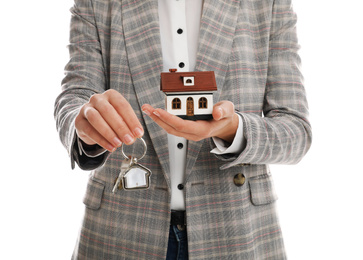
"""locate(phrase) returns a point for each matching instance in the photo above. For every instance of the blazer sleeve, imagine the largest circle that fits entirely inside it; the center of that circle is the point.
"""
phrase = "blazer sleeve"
(84, 76)
(283, 134)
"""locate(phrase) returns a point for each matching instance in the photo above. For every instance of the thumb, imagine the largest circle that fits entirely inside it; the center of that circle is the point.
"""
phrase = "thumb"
(217, 113)
(222, 110)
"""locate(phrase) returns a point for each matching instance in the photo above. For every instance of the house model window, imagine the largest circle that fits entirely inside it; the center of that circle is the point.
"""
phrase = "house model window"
(203, 103)
(188, 81)
(176, 103)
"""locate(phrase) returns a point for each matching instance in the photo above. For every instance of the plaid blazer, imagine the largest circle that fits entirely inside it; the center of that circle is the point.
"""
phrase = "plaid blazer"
(251, 46)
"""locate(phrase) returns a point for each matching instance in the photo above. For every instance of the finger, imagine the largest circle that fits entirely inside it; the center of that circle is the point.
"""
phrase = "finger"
(171, 130)
(115, 122)
(173, 121)
(180, 125)
(109, 105)
(89, 135)
(222, 110)
(191, 130)
(127, 114)
(101, 127)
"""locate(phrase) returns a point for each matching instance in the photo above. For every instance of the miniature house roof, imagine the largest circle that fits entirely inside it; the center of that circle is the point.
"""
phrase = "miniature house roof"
(187, 81)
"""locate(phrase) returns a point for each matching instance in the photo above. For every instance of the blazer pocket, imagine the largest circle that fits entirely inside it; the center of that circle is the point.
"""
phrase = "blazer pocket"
(94, 193)
(262, 190)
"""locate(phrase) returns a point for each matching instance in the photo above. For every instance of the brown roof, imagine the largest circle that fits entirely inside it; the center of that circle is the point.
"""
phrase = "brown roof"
(173, 81)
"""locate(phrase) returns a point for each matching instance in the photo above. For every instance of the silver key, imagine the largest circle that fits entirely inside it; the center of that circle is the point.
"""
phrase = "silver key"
(124, 167)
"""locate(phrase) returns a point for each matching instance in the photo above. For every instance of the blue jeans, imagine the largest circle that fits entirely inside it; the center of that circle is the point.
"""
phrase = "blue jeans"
(178, 243)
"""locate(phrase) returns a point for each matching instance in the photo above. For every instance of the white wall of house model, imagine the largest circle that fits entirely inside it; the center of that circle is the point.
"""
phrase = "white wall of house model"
(182, 111)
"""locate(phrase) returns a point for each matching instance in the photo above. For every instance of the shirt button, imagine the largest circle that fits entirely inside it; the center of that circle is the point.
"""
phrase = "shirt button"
(181, 65)
(180, 186)
(239, 179)
(180, 145)
(179, 31)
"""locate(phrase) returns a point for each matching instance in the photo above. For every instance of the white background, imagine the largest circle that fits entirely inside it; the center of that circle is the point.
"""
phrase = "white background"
(320, 199)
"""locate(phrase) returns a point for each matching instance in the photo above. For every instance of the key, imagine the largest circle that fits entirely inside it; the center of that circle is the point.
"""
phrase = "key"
(124, 167)
(117, 185)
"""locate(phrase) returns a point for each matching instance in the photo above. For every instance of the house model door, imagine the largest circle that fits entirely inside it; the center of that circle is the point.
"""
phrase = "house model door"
(190, 106)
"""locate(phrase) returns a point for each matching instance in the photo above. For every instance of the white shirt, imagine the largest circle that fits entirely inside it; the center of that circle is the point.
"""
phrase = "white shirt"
(179, 42)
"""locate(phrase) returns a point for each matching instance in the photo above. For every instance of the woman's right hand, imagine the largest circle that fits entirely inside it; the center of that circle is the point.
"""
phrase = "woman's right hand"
(108, 120)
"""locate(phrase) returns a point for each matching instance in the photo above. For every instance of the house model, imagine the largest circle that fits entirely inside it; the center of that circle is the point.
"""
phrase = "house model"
(189, 95)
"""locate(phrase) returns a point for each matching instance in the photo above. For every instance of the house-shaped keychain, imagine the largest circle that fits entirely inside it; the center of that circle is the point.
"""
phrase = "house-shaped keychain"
(189, 95)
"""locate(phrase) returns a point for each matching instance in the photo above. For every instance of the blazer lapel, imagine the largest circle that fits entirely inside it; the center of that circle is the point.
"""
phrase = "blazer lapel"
(217, 28)
(142, 37)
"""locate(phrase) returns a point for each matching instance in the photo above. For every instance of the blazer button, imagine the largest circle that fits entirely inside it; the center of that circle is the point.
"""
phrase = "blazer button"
(239, 179)
(180, 186)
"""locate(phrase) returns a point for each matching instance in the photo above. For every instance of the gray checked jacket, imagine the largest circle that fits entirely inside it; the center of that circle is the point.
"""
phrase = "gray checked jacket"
(251, 45)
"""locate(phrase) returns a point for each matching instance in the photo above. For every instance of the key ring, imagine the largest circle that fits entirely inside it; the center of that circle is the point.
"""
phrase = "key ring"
(142, 156)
